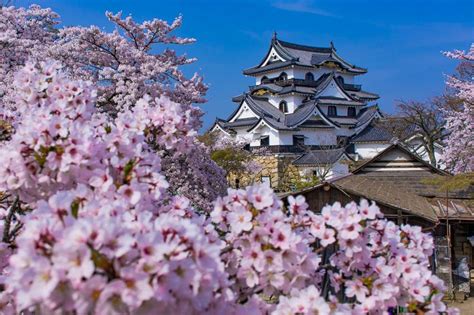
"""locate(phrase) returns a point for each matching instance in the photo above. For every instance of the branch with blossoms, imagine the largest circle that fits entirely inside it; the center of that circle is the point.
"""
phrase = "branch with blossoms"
(123, 64)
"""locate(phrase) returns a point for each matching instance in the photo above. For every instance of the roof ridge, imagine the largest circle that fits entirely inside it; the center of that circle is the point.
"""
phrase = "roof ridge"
(304, 47)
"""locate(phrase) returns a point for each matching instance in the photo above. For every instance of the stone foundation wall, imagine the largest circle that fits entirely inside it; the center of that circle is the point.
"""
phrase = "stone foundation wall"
(279, 168)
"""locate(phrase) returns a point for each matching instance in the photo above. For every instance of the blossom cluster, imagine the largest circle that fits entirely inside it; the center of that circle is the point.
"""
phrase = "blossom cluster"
(266, 253)
(104, 234)
(23, 32)
(352, 252)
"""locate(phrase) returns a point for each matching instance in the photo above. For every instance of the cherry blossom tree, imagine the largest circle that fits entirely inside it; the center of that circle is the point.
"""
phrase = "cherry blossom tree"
(111, 223)
(22, 32)
(458, 154)
(124, 66)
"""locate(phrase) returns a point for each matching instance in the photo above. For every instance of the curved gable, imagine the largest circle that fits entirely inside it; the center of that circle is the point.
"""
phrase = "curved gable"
(333, 89)
(244, 111)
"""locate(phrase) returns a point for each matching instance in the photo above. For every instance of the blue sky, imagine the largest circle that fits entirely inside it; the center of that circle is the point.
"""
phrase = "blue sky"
(400, 42)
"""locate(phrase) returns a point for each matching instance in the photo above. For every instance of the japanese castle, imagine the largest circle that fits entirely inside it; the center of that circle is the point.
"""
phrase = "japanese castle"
(305, 107)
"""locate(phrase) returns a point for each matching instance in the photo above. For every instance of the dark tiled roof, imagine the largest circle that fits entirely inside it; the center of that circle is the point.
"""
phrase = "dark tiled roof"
(301, 55)
(382, 162)
(345, 120)
(339, 101)
(273, 66)
(310, 123)
(316, 56)
(281, 121)
(379, 131)
(364, 95)
(373, 133)
(304, 47)
(366, 114)
(244, 122)
(408, 188)
(318, 157)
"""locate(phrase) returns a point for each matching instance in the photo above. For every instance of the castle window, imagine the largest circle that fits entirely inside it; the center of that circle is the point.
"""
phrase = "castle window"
(298, 140)
(342, 140)
(351, 111)
(340, 79)
(264, 79)
(265, 141)
(332, 111)
(247, 147)
(309, 76)
(283, 76)
(283, 106)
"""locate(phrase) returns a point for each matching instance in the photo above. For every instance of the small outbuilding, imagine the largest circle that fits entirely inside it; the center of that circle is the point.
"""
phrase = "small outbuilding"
(402, 185)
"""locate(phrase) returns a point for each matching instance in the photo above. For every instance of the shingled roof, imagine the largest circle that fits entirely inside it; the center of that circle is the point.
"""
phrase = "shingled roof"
(387, 193)
(399, 179)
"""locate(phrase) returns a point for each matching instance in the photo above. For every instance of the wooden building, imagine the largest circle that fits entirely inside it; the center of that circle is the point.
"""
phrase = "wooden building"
(401, 184)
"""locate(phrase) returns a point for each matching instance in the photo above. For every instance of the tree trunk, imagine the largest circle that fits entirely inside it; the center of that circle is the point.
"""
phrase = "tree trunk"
(431, 154)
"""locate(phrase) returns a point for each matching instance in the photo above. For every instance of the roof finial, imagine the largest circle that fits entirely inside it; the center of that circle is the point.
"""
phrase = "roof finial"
(332, 46)
(274, 35)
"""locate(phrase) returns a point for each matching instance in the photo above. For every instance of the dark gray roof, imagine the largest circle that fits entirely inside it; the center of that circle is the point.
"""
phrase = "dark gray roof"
(378, 131)
(324, 100)
(244, 122)
(364, 95)
(301, 117)
(273, 66)
(320, 157)
(304, 56)
(373, 133)
(305, 47)
(366, 115)
(304, 112)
